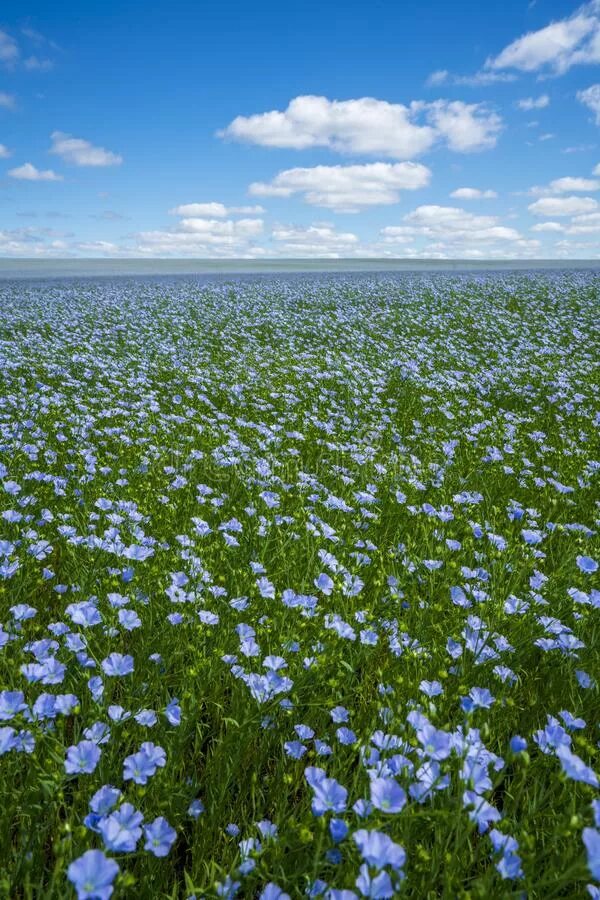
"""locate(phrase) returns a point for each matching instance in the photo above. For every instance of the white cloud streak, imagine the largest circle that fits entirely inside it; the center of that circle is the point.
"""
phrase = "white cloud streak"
(557, 47)
(529, 103)
(562, 206)
(590, 97)
(218, 210)
(346, 188)
(79, 152)
(28, 172)
(468, 193)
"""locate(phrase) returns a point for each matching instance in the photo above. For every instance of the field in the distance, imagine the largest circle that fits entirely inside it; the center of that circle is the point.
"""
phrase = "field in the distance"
(299, 587)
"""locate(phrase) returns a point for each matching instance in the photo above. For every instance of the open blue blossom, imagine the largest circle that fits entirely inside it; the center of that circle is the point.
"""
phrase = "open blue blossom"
(587, 564)
(159, 837)
(118, 664)
(294, 749)
(376, 887)
(11, 704)
(82, 758)
(591, 840)
(272, 891)
(121, 829)
(141, 766)
(92, 875)
(574, 767)
(387, 795)
(329, 795)
(377, 849)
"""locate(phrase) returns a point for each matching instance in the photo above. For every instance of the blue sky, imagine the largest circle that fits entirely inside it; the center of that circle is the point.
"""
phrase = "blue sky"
(463, 130)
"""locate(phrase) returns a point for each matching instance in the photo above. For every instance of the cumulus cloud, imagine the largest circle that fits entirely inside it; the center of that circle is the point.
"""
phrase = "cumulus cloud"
(33, 242)
(463, 126)
(451, 223)
(467, 193)
(28, 172)
(565, 185)
(215, 230)
(78, 152)
(203, 231)
(318, 240)
(218, 210)
(548, 226)
(452, 232)
(346, 188)
(557, 47)
(590, 97)
(4, 151)
(584, 223)
(370, 127)
(576, 249)
(562, 206)
(529, 103)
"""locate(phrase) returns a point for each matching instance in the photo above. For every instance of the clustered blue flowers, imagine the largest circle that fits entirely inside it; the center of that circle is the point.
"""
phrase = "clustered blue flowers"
(299, 586)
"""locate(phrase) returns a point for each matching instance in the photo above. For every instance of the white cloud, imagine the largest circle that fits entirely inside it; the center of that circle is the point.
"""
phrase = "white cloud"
(565, 185)
(577, 249)
(463, 125)
(81, 153)
(451, 223)
(202, 235)
(562, 206)
(214, 230)
(479, 79)
(28, 172)
(218, 210)
(440, 76)
(346, 188)
(580, 148)
(9, 49)
(106, 248)
(559, 46)
(587, 223)
(548, 226)
(590, 97)
(529, 103)
(4, 151)
(467, 193)
(7, 101)
(35, 64)
(370, 127)
(365, 126)
(452, 232)
(32, 242)
(318, 240)
(37, 38)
